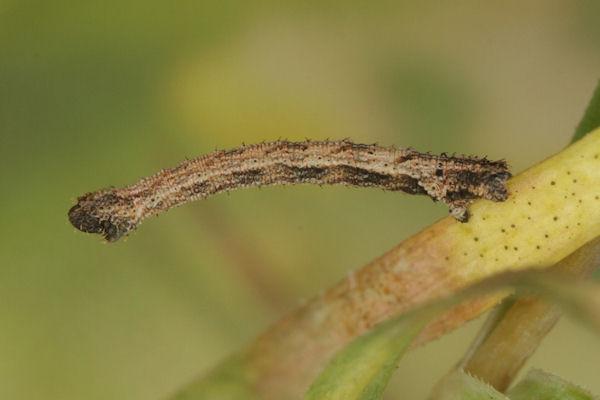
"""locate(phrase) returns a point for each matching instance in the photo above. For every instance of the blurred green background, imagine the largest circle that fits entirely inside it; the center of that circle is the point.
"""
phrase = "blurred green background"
(100, 93)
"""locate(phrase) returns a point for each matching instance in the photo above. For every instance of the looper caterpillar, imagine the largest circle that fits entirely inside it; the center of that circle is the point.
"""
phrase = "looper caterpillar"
(456, 180)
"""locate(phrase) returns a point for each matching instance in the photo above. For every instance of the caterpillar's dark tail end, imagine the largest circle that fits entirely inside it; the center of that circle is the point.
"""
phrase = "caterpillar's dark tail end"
(85, 221)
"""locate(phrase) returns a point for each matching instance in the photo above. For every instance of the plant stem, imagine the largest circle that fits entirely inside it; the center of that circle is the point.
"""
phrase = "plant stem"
(515, 330)
(522, 325)
(524, 231)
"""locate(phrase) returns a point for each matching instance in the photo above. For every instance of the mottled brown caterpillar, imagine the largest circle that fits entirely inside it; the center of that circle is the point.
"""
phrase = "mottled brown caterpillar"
(456, 180)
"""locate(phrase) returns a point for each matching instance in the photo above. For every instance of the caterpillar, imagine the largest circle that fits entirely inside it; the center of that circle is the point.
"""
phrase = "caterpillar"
(455, 180)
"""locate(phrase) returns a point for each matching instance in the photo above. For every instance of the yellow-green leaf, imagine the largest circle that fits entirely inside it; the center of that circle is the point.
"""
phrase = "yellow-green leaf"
(459, 385)
(539, 385)
(362, 369)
